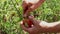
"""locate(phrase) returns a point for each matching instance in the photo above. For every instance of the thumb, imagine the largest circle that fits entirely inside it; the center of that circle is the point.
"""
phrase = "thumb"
(31, 17)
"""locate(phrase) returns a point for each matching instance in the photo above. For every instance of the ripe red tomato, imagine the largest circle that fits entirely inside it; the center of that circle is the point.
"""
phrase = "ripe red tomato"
(27, 23)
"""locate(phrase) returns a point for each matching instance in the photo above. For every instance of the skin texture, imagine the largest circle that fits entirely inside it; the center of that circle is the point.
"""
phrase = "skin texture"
(30, 7)
(27, 8)
(37, 29)
(34, 28)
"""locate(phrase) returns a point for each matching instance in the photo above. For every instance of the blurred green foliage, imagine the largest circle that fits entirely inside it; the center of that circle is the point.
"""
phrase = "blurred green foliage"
(11, 14)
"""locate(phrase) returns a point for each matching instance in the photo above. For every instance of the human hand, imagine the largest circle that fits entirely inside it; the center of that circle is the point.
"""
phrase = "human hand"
(35, 29)
(27, 12)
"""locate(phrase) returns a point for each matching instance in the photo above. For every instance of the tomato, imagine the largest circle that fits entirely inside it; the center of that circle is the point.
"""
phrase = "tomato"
(27, 22)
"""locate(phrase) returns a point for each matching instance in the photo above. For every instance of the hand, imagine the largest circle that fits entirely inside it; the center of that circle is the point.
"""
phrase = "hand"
(24, 5)
(35, 29)
(27, 12)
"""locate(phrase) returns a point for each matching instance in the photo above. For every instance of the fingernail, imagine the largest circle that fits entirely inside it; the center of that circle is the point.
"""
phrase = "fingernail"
(31, 16)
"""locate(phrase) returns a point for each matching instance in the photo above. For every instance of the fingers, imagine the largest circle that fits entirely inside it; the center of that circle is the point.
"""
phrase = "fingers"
(23, 27)
(27, 14)
(24, 4)
(35, 22)
(31, 17)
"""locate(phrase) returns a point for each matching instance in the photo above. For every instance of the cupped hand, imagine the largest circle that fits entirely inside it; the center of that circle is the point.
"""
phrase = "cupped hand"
(35, 29)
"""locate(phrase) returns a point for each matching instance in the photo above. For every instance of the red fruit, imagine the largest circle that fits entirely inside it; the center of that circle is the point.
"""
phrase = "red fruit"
(27, 23)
